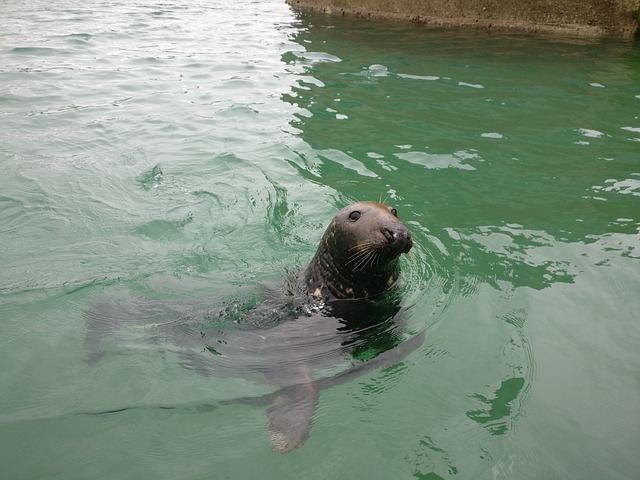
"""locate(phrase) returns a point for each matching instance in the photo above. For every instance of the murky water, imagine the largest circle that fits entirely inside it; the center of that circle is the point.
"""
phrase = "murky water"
(182, 152)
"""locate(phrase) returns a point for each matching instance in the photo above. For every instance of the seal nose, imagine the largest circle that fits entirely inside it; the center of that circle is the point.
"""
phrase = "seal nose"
(399, 237)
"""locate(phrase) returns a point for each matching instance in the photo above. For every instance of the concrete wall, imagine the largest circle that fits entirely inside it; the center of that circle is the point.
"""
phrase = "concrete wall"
(577, 17)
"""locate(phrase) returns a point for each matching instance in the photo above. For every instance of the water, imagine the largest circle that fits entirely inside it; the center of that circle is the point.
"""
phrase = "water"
(179, 151)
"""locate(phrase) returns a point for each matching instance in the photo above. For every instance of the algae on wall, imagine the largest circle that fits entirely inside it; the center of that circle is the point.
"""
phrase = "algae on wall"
(582, 17)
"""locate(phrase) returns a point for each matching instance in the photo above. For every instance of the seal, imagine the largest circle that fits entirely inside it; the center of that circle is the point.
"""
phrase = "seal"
(358, 253)
(343, 305)
(357, 259)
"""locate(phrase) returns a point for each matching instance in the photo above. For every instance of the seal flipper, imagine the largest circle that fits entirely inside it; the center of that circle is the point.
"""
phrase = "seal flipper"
(102, 321)
(291, 412)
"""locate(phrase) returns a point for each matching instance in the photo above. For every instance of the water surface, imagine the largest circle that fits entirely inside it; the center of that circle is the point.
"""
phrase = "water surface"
(180, 151)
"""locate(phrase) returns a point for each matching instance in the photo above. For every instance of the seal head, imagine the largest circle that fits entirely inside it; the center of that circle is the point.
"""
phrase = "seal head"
(358, 253)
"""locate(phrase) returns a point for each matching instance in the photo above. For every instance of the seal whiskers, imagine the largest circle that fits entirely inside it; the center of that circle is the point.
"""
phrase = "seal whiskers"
(366, 254)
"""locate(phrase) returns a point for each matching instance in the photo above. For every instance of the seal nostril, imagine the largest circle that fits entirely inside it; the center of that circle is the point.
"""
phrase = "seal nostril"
(396, 237)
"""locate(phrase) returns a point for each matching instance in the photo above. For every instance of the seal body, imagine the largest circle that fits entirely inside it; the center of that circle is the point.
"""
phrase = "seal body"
(355, 264)
(358, 254)
(341, 307)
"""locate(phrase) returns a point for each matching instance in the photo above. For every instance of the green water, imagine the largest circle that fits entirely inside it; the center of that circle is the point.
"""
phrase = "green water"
(189, 150)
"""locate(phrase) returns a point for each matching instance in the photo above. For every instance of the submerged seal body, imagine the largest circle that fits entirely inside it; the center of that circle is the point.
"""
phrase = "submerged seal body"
(342, 306)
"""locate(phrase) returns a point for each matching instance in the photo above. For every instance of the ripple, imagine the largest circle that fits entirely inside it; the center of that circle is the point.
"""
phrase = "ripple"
(590, 133)
(376, 71)
(470, 85)
(40, 51)
(429, 78)
(347, 162)
(492, 135)
(317, 57)
(628, 186)
(438, 161)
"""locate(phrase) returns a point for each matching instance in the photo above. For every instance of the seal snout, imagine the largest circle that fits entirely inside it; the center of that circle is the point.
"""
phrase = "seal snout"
(398, 237)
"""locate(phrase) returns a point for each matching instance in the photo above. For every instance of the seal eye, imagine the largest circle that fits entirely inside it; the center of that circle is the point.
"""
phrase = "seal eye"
(394, 212)
(355, 215)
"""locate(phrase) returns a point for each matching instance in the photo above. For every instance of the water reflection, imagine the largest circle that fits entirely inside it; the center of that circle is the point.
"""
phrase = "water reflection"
(512, 185)
(407, 99)
(509, 257)
(192, 150)
(499, 409)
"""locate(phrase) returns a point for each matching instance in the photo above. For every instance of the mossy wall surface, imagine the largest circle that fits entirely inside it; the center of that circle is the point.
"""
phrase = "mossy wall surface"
(582, 17)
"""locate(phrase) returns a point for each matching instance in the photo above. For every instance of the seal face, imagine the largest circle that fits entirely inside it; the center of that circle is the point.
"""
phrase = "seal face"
(358, 253)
